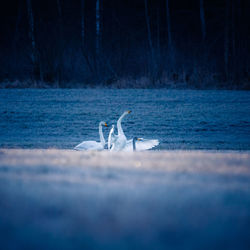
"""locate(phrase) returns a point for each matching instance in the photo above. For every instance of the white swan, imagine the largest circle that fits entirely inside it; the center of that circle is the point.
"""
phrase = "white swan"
(118, 141)
(93, 145)
(135, 144)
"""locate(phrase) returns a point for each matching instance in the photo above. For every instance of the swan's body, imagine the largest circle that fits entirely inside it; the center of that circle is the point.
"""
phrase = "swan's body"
(93, 145)
(120, 140)
(135, 144)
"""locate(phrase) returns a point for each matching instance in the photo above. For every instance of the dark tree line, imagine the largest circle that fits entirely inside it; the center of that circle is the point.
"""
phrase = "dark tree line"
(139, 43)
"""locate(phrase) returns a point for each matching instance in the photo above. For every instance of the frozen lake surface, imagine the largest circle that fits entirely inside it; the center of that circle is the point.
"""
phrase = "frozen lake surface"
(180, 119)
(62, 199)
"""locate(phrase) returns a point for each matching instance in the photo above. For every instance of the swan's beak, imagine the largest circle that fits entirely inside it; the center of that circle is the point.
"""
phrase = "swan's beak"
(139, 139)
(129, 111)
(105, 124)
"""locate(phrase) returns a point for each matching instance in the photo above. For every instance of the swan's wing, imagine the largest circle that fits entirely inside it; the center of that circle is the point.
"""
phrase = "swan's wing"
(110, 137)
(119, 143)
(146, 144)
(114, 138)
(89, 145)
(142, 145)
(130, 141)
(129, 146)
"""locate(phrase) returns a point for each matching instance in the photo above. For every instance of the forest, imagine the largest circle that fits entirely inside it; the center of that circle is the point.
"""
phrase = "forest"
(199, 44)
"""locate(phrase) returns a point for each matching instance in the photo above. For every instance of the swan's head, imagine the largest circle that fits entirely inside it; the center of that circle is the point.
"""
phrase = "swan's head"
(134, 141)
(127, 112)
(104, 124)
(137, 139)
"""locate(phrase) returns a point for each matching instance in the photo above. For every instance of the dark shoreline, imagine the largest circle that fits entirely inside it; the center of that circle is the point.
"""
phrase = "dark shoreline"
(169, 85)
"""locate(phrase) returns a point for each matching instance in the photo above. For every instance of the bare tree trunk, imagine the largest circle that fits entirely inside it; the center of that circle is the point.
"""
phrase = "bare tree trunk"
(60, 54)
(98, 30)
(158, 29)
(153, 70)
(31, 34)
(234, 60)
(17, 24)
(98, 39)
(168, 26)
(233, 28)
(16, 54)
(89, 62)
(159, 55)
(203, 22)
(226, 41)
(240, 40)
(59, 8)
(203, 58)
(83, 23)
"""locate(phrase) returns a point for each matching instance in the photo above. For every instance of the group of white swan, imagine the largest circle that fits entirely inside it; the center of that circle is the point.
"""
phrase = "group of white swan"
(117, 142)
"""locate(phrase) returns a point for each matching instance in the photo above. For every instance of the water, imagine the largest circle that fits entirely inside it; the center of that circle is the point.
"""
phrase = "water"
(180, 119)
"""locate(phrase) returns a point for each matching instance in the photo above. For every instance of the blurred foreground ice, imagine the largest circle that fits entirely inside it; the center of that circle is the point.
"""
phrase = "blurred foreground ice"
(62, 199)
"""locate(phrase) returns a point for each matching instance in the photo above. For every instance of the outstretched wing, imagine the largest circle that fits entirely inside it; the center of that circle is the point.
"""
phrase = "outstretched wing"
(89, 145)
(111, 138)
(142, 145)
(146, 144)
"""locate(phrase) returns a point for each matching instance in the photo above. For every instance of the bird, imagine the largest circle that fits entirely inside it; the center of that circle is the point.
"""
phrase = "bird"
(141, 143)
(93, 145)
(118, 142)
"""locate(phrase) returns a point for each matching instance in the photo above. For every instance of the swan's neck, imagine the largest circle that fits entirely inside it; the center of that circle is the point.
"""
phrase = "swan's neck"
(109, 138)
(119, 125)
(101, 135)
(134, 147)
